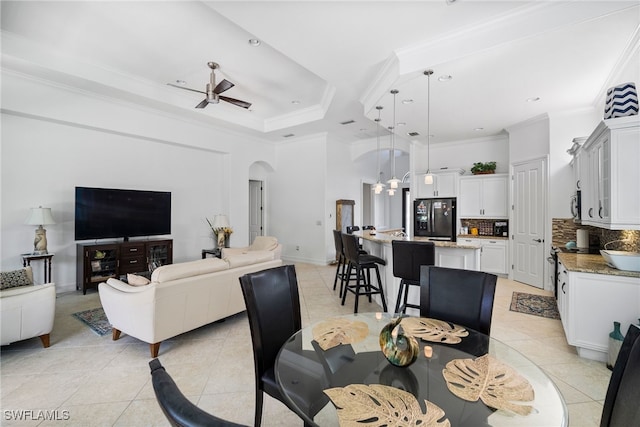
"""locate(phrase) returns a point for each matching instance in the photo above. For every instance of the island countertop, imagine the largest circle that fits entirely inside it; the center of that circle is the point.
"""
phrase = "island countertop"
(387, 236)
(592, 263)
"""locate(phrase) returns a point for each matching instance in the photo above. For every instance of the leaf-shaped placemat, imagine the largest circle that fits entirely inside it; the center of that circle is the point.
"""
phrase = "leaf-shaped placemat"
(333, 332)
(380, 405)
(433, 330)
(486, 378)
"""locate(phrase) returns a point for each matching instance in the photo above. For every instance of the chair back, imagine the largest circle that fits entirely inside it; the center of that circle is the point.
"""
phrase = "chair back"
(352, 228)
(351, 249)
(622, 402)
(273, 309)
(337, 241)
(409, 256)
(464, 297)
(179, 410)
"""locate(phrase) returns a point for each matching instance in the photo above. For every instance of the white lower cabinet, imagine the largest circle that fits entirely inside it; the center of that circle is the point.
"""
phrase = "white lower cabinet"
(494, 255)
(590, 303)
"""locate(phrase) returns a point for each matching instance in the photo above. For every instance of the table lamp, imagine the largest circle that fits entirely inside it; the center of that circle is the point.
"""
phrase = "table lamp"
(40, 216)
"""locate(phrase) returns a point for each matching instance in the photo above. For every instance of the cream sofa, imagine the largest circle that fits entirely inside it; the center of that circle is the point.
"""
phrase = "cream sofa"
(184, 296)
(27, 311)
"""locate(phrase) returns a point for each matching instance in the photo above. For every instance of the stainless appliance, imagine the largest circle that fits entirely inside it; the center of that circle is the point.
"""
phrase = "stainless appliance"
(501, 228)
(435, 218)
(576, 206)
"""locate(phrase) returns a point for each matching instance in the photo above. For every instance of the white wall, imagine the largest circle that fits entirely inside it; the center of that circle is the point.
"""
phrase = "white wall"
(463, 154)
(54, 139)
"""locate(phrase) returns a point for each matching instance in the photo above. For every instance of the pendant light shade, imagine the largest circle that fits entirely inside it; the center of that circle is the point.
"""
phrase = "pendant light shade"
(378, 186)
(393, 182)
(428, 178)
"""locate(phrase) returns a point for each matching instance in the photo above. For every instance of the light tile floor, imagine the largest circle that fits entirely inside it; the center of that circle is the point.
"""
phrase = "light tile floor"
(94, 381)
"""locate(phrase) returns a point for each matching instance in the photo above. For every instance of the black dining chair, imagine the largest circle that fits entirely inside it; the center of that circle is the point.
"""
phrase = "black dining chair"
(362, 264)
(622, 403)
(179, 410)
(408, 257)
(273, 309)
(463, 297)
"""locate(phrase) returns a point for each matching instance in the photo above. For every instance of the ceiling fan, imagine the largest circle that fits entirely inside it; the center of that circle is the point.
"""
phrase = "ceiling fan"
(213, 92)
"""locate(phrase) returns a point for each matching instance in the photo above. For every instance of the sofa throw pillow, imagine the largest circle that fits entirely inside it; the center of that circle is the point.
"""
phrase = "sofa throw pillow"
(14, 279)
(135, 280)
(264, 243)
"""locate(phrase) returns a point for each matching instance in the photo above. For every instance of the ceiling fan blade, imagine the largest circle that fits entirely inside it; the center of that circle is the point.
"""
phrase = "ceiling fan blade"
(222, 86)
(237, 102)
(203, 104)
(185, 88)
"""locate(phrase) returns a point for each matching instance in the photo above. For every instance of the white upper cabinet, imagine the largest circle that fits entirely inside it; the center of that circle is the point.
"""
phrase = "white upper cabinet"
(445, 184)
(610, 175)
(483, 196)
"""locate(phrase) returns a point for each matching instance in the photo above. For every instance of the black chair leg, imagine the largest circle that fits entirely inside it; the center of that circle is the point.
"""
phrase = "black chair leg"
(258, 417)
(384, 304)
(400, 293)
(347, 278)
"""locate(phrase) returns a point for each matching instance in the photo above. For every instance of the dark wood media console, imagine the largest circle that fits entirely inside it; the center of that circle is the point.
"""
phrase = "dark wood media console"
(97, 262)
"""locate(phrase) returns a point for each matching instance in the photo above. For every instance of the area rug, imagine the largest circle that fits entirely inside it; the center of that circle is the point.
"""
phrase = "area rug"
(94, 319)
(538, 305)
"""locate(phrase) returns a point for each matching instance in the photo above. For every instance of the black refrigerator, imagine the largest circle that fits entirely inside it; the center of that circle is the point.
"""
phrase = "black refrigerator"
(435, 218)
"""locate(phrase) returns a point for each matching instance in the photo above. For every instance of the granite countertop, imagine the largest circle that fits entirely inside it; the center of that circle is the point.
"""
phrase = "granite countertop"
(591, 263)
(386, 237)
(474, 236)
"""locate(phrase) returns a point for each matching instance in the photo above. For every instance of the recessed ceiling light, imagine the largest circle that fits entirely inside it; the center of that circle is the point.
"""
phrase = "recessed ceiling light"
(478, 129)
(181, 82)
(413, 133)
(533, 99)
(295, 102)
(289, 135)
(445, 78)
(401, 124)
(407, 101)
(254, 42)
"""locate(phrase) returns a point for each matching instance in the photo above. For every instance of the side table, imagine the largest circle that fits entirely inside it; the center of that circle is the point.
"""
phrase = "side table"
(47, 258)
(216, 252)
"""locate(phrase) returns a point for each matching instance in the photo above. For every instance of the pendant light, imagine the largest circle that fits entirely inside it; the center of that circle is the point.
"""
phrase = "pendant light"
(393, 182)
(428, 178)
(378, 186)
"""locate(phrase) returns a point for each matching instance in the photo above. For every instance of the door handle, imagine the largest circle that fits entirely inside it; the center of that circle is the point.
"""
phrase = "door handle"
(537, 240)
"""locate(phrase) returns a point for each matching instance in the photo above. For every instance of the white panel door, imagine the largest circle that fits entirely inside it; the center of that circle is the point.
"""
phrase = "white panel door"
(255, 210)
(529, 198)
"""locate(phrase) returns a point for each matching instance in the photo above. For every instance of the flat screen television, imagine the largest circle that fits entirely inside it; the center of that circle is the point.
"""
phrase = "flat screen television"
(103, 213)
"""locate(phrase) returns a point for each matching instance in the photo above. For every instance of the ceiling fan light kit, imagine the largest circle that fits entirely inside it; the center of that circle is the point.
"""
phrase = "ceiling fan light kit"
(213, 91)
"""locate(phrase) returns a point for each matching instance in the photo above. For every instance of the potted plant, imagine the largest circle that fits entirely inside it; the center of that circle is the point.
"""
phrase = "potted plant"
(480, 168)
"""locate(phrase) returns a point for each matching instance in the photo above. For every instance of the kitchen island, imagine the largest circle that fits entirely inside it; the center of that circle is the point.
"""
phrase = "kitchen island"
(447, 254)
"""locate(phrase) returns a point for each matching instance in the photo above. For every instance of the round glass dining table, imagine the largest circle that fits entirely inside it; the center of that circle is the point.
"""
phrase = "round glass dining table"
(304, 371)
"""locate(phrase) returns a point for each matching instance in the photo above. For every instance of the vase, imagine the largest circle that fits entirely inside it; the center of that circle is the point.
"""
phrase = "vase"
(615, 342)
(399, 349)
(221, 239)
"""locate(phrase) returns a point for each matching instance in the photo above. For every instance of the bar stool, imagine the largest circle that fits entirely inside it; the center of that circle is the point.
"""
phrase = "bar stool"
(407, 259)
(342, 260)
(362, 263)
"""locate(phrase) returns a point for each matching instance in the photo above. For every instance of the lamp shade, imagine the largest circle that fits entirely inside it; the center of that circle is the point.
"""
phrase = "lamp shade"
(221, 221)
(40, 216)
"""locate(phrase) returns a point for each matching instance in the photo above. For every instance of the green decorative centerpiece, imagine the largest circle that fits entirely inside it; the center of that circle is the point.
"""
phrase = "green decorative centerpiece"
(399, 349)
(480, 168)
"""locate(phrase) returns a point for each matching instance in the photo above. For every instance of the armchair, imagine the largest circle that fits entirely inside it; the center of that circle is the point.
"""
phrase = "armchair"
(27, 311)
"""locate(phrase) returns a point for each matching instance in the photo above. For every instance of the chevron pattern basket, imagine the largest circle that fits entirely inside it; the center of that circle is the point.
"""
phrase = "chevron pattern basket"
(622, 100)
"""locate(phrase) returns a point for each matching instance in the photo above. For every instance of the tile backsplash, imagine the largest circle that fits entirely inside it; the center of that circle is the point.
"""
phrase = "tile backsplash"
(564, 230)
